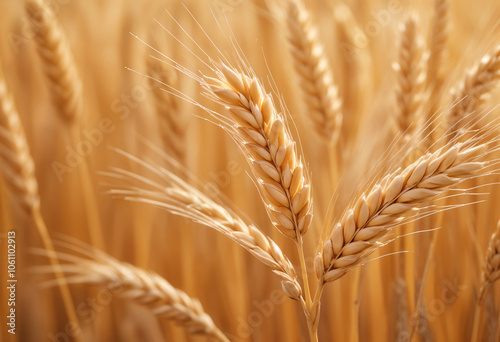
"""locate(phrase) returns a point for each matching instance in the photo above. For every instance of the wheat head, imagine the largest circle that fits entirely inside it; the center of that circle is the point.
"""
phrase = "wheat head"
(363, 226)
(439, 36)
(316, 79)
(263, 136)
(411, 73)
(18, 168)
(138, 285)
(491, 266)
(474, 89)
(57, 59)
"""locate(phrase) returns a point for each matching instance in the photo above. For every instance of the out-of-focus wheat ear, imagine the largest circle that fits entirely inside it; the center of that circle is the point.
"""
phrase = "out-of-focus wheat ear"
(263, 135)
(411, 72)
(142, 287)
(491, 267)
(315, 75)
(18, 171)
(365, 224)
(474, 89)
(173, 122)
(356, 70)
(57, 59)
(18, 168)
(439, 36)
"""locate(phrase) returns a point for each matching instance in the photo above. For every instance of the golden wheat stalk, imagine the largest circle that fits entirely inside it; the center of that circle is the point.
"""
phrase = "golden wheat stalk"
(175, 195)
(138, 285)
(18, 170)
(474, 90)
(362, 228)
(263, 135)
(411, 78)
(491, 266)
(316, 79)
(58, 63)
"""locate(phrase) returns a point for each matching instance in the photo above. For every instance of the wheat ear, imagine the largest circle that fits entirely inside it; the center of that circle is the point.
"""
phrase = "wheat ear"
(363, 226)
(439, 35)
(57, 58)
(140, 286)
(474, 89)
(178, 197)
(263, 135)
(316, 79)
(491, 267)
(411, 77)
(18, 170)
(173, 123)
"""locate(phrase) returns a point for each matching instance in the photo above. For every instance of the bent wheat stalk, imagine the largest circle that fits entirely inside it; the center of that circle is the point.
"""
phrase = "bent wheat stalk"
(140, 286)
(178, 197)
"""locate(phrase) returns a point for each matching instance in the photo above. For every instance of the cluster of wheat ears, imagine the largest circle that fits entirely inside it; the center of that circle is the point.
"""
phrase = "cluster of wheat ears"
(366, 182)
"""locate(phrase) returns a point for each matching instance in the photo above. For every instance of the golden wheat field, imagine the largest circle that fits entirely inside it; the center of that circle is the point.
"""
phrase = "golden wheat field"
(265, 170)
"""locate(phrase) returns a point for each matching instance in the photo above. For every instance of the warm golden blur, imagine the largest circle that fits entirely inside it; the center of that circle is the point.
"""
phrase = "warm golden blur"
(365, 86)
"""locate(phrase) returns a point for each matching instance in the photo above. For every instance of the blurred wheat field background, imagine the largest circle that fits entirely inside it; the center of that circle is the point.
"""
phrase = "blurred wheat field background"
(359, 88)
